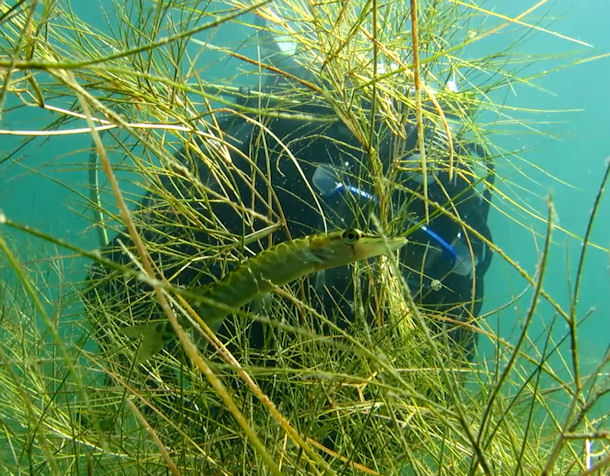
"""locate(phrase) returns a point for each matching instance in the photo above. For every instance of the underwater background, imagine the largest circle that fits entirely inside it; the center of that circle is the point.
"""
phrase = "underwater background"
(560, 156)
(570, 107)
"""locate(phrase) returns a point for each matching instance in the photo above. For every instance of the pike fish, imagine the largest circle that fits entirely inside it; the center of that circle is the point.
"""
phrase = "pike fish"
(260, 274)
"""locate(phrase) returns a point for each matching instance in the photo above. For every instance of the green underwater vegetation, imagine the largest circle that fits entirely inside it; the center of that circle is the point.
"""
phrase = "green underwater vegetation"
(379, 382)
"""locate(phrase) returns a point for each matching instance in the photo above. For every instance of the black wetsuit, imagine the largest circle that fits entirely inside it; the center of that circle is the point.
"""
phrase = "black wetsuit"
(310, 143)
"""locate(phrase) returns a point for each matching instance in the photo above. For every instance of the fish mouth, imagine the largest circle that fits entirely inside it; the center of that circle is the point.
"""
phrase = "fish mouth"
(395, 243)
(379, 246)
(390, 243)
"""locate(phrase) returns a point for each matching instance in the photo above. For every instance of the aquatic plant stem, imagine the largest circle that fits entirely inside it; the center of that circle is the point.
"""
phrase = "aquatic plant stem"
(96, 201)
(49, 324)
(172, 466)
(573, 323)
(418, 108)
(229, 358)
(145, 259)
(579, 274)
(8, 365)
(516, 20)
(524, 332)
(429, 93)
(448, 378)
(147, 264)
(189, 347)
(17, 50)
(65, 66)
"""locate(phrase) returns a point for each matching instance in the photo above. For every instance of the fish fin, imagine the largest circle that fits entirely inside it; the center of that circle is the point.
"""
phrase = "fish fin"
(154, 336)
(320, 280)
(320, 254)
(261, 302)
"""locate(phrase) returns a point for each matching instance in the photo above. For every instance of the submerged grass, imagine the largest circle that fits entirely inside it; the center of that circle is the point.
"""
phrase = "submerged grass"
(157, 88)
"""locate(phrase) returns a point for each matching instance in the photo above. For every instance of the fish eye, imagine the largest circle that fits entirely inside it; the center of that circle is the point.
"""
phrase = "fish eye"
(351, 236)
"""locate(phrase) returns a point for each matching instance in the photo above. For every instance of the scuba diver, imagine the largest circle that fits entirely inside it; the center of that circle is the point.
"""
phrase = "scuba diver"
(296, 163)
(324, 186)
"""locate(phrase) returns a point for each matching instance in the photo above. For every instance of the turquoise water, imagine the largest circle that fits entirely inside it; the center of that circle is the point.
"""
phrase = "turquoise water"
(573, 152)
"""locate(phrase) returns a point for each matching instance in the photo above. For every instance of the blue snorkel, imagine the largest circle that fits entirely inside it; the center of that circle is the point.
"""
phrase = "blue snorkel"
(325, 180)
(446, 247)
(329, 187)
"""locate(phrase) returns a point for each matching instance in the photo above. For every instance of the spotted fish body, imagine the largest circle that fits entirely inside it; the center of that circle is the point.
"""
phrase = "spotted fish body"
(276, 266)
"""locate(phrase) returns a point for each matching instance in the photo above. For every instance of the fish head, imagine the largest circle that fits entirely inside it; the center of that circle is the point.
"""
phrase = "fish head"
(340, 248)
